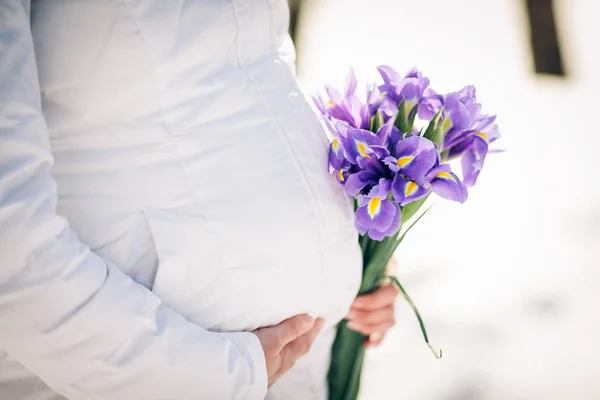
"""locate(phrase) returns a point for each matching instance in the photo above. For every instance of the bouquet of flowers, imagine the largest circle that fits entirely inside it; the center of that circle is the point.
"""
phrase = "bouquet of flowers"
(390, 151)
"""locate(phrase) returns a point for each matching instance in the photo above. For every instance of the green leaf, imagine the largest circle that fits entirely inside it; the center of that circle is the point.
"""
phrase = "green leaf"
(372, 124)
(411, 208)
(400, 121)
(380, 121)
(430, 128)
(363, 244)
(444, 155)
(376, 122)
(411, 120)
(438, 136)
(416, 311)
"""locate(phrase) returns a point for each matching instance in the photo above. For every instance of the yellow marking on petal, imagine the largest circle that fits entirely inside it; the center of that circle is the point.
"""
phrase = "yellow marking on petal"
(341, 175)
(483, 136)
(410, 188)
(445, 175)
(330, 102)
(335, 145)
(404, 161)
(374, 206)
(362, 149)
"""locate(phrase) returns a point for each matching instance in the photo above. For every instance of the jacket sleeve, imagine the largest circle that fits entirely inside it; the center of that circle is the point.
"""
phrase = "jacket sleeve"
(73, 319)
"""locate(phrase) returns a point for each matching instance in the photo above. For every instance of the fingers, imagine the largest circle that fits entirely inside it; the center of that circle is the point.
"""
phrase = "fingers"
(373, 314)
(299, 347)
(372, 323)
(368, 317)
(285, 342)
(368, 329)
(291, 329)
(302, 345)
(384, 296)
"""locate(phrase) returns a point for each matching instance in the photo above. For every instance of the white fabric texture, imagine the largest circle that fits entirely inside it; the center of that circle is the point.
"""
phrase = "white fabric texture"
(163, 191)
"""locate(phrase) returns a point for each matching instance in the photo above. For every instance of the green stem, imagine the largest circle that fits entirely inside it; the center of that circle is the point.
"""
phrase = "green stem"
(416, 311)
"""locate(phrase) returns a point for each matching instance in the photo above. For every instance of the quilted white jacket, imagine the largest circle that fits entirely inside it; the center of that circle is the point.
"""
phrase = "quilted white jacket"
(163, 191)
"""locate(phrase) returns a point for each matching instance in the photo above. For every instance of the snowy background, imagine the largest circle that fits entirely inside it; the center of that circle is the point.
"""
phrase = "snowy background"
(508, 283)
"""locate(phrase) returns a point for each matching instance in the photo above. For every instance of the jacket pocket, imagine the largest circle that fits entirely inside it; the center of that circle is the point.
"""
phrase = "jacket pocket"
(190, 276)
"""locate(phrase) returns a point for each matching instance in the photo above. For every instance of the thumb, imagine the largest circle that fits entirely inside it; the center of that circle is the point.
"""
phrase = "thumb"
(292, 328)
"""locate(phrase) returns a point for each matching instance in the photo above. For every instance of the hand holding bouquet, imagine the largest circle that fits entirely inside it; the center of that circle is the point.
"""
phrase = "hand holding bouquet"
(390, 151)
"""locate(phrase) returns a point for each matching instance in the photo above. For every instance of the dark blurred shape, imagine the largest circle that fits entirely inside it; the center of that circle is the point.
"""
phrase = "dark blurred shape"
(294, 16)
(467, 391)
(546, 305)
(544, 38)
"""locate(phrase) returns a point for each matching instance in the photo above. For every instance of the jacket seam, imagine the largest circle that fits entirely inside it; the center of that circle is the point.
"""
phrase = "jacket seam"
(299, 169)
(159, 108)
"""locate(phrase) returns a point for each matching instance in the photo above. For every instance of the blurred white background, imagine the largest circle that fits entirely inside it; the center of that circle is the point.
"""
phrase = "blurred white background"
(509, 282)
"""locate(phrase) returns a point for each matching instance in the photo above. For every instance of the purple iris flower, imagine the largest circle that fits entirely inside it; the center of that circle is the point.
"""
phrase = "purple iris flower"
(376, 214)
(357, 143)
(337, 157)
(415, 157)
(406, 191)
(371, 171)
(406, 164)
(342, 174)
(446, 184)
(374, 98)
(477, 147)
(472, 144)
(460, 111)
(430, 104)
(457, 145)
(409, 88)
(344, 107)
(356, 157)
(389, 135)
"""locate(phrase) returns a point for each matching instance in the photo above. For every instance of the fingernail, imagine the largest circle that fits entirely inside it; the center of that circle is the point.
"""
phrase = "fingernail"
(307, 321)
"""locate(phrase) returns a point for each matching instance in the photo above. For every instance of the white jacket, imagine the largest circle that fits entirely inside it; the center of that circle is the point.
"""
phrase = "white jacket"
(188, 202)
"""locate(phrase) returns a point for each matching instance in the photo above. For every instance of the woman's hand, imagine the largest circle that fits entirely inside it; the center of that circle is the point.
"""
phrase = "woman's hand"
(283, 344)
(373, 314)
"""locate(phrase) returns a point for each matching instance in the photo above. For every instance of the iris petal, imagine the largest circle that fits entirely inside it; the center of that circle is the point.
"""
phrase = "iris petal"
(394, 227)
(446, 184)
(374, 207)
(404, 161)
(357, 142)
(416, 156)
(381, 219)
(406, 191)
(336, 155)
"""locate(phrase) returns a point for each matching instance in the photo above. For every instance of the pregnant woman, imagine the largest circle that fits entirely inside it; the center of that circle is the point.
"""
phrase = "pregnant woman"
(187, 235)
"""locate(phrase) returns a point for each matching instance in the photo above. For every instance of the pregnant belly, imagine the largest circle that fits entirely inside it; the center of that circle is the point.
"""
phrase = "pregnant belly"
(282, 226)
